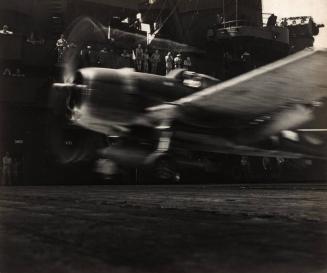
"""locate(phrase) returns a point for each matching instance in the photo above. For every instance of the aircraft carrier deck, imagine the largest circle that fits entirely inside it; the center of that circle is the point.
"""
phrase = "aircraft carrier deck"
(226, 228)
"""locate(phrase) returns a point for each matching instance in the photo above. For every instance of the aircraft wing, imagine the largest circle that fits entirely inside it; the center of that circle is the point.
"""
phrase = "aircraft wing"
(280, 96)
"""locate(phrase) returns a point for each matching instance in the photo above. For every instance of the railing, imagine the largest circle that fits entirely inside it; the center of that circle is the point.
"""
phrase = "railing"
(233, 23)
(265, 17)
(299, 20)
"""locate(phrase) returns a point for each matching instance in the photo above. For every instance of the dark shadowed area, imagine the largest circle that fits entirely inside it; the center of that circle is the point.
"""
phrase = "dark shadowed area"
(257, 228)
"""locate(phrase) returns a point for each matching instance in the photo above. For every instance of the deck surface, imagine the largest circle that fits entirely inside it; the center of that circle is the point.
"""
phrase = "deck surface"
(225, 228)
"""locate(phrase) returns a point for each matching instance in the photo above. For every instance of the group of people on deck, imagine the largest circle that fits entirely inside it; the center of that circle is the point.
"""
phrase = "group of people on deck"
(140, 58)
(177, 62)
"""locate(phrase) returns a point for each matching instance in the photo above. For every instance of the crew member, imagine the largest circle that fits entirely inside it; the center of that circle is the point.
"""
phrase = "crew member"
(139, 57)
(178, 61)
(103, 57)
(61, 46)
(5, 30)
(284, 23)
(219, 21)
(187, 63)
(137, 24)
(126, 58)
(84, 59)
(246, 168)
(272, 20)
(228, 60)
(267, 165)
(92, 55)
(33, 40)
(169, 62)
(155, 59)
(146, 58)
(112, 59)
(6, 169)
(16, 171)
(18, 73)
(247, 61)
(6, 72)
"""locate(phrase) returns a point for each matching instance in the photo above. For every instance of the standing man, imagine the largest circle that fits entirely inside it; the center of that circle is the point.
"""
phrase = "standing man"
(146, 58)
(284, 23)
(126, 59)
(272, 20)
(169, 62)
(155, 60)
(61, 46)
(92, 55)
(178, 61)
(219, 21)
(246, 61)
(103, 57)
(187, 63)
(228, 60)
(84, 59)
(6, 169)
(246, 168)
(139, 57)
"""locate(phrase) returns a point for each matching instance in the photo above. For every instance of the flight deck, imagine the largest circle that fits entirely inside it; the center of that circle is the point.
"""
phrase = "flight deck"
(226, 228)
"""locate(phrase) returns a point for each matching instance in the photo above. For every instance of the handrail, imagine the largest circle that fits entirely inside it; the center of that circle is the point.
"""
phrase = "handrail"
(242, 22)
(233, 23)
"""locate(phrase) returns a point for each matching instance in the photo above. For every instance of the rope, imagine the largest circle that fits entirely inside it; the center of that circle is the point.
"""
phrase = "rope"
(168, 17)
(162, 9)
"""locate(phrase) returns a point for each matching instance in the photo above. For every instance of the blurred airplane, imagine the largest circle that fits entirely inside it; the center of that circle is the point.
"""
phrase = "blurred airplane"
(269, 112)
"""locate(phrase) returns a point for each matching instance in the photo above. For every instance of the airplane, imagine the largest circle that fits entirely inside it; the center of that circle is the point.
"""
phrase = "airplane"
(176, 118)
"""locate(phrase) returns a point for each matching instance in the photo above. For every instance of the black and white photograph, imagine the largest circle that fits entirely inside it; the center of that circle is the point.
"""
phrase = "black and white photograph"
(155, 136)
